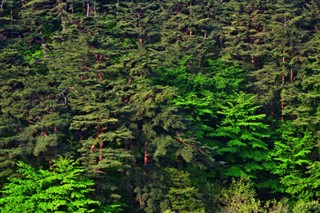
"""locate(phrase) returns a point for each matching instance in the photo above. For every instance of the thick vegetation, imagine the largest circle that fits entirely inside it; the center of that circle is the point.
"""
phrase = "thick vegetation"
(159, 106)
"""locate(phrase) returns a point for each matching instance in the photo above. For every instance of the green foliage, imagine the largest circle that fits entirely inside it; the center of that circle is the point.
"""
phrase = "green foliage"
(239, 197)
(132, 87)
(242, 136)
(201, 93)
(275, 206)
(182, 195)
(307, 207)
(291, 155)
(60, 189)
(305, 186)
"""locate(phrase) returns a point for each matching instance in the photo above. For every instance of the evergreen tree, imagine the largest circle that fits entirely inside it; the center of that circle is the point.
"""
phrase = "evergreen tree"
(130, 88)
(188, 28)
(239, 196)
(182, 196)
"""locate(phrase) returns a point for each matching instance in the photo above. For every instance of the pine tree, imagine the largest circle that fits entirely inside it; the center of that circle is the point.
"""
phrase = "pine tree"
(31, 103)
(12, 65)
(157, 138)
(239, 196)
(188, 28)
(94, 99)
(132, 87)
(182, 196)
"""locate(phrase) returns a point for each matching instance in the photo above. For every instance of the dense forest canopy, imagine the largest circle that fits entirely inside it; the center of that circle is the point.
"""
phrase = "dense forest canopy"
(160, 106)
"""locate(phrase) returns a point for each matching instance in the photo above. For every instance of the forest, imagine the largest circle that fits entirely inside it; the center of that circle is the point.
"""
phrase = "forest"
(169, 106)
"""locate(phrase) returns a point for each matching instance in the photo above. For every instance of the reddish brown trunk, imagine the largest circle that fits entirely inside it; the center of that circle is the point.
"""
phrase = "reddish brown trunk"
(100, 149)
(63, 20)
(282, 99)
(98, 59)
(92, 148)
(282, 80)
(100, 76)
(140, 200)
(291, 86)
(252, 57)
(291, 81)
(50, 165)
(146, 158)
(145, 162)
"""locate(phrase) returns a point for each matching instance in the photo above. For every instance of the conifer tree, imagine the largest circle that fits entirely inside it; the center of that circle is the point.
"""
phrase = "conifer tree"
(182, 196)
(189, 28)
(132, 87)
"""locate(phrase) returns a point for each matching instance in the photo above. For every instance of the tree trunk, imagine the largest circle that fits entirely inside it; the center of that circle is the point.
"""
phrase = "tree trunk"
(282, 85)
(88, 9)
